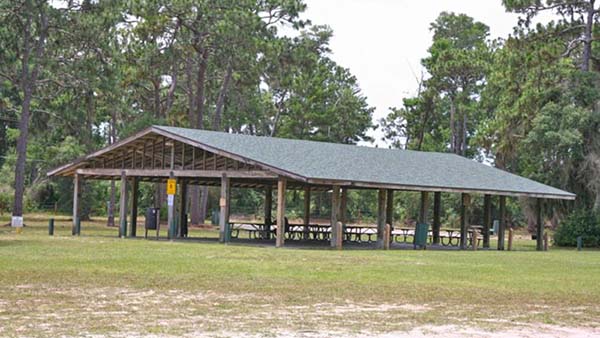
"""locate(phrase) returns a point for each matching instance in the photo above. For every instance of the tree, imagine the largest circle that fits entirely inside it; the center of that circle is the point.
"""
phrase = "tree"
(444, 115)
(25, 32)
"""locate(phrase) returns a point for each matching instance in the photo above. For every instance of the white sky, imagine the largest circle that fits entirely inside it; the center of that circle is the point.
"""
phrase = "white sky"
(383, 41)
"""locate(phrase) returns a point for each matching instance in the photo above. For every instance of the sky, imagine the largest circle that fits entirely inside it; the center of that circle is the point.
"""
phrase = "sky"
(383, 41)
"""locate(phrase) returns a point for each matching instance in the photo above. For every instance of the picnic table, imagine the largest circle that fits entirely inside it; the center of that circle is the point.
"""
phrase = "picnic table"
(352, 233)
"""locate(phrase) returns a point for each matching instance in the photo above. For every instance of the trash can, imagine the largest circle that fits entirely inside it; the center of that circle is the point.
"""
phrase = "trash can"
(421, 232)
(496, 226)
(214, 219)
(151, 218)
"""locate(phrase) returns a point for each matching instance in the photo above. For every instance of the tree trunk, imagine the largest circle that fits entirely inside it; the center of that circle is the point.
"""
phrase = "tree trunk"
(198, 210)
(156, 94)
(587, 40)
(112, 136)
(452, 127)
(28, 83)
(200, 88)
(221, 99)
(463, 145)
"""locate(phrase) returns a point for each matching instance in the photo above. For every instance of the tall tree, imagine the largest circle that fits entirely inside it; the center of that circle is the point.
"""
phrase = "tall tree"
(26, 26)
(444, 115)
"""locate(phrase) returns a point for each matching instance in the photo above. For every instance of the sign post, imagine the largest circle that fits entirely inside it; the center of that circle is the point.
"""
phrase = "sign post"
(171, 190)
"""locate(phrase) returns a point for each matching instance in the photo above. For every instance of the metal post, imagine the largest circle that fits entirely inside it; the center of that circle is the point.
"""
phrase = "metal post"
(51, 227)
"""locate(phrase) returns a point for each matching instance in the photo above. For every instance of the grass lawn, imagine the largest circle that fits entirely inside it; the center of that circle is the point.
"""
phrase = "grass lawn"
(98, 284)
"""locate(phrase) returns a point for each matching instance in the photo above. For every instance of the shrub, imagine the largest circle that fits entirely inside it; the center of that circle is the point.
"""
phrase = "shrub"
(581, 222)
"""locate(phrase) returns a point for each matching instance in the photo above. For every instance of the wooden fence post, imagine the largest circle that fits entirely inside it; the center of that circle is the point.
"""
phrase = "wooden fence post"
(510, 238)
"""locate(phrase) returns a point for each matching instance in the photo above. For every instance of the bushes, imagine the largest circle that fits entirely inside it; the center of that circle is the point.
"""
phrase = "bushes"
(581, 222)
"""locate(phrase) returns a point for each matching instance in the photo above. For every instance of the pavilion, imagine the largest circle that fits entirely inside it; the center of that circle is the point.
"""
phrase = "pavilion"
(192, 156)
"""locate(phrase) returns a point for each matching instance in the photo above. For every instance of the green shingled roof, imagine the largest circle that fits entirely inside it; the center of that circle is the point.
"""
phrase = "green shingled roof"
(338, 162)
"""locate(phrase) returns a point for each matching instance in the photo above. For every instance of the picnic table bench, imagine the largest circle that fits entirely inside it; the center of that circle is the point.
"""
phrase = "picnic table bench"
(352, 233)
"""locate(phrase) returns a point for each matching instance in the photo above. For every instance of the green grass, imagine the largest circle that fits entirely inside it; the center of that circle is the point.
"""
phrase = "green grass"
(100, 284)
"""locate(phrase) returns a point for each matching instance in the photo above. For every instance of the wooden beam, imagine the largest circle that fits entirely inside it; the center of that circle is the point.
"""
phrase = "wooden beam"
(464, 219)
(540, 225)
(281, 188)
(224, 234)
(177, 173)
(134, 206)
(381, 204)
(123, 206)
(487, 219)
(335, 214)
(268, 212)
(76, 195)
(306, 217)
(437, 215)
(502, 225)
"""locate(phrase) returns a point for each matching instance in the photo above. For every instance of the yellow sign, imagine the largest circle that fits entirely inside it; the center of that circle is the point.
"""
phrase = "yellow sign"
(171, 186)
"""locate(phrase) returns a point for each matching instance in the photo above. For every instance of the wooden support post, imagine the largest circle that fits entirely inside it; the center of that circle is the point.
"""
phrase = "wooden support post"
(545, 241)
(134, 206)
(540, 225)
(281, 188)
(76, 193)
(389, 208)
(335, 214)
(464, 219)
(123, 206)
(487, 220)
(502, 224)
(424, 207)
(381, 204)
(474, 239)
(224, 231)
(306, 217)
(343, 213)
(170, 213)
(387, 233)
(268, 208)
(437, 214)
(510, 238)
(339, 238)
(182, 229)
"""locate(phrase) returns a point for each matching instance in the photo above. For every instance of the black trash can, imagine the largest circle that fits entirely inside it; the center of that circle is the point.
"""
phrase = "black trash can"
(152, 218)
